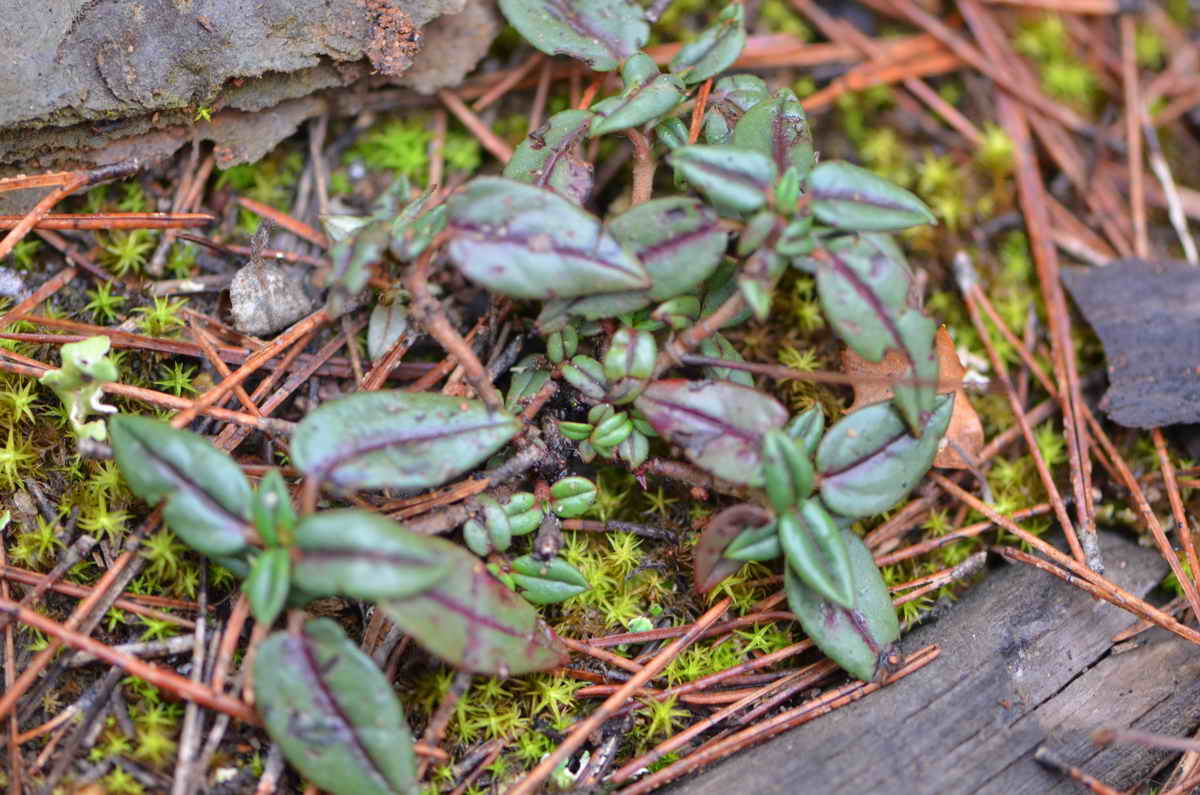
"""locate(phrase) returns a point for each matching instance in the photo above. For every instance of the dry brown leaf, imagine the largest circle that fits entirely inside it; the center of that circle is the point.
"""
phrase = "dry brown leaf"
(965, 429)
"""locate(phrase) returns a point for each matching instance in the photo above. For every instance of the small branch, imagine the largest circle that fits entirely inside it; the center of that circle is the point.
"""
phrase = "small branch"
(643, 168)
(428, 312)
(704, 328)
(532, 782)
(159, 677)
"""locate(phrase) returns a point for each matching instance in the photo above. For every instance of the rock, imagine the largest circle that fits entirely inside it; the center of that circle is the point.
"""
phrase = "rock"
(267, 297)
(89, 81)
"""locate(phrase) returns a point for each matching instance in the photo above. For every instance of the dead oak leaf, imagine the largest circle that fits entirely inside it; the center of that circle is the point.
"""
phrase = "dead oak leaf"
(873, 381)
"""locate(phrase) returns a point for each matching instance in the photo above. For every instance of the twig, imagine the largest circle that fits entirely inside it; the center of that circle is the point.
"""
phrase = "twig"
(531, 782)
(94, 601)
(89, 221)
(1052, 761)
(968, 284)
(496, 145)
(698, 111)
(428, 311)
(76, 181)
(189, 736)
(809, 710)
(204, 402)
(282, 219)
(1179, 221)
(145, 648)
(435, 730)
(1133, 137)
(159, 677)
(15, 766)
(1099, 585)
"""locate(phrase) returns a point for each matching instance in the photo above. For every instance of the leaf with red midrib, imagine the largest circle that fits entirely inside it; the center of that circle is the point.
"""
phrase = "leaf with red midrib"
(475, 622)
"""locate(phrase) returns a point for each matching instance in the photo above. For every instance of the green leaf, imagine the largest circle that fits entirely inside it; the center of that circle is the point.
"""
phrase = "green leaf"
(859, 639)
(849, 197)
(715, 49)
(778, 128)
(352, 258)
(718, 424)
(587, 375)
(549, 157)
(414, 228)
(350, 552)
(274, 516)
(816, 552)
(679, 240)
(868, 460)
(335, 716)
(718, 347)
(864, 286)
(530, 242)
(208, 497)
(475, 622)
(267, 586)
(730, 98)
(601, 33)
(547, 582)
(734, 179)
(709, 566)
(572, 496)
(787, 471)
(527, 378)
(807, 428)
(647, 94)
(756, 543)
(400, 440)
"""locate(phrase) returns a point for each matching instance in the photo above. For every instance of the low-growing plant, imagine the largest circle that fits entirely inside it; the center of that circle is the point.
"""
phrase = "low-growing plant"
(625, 303)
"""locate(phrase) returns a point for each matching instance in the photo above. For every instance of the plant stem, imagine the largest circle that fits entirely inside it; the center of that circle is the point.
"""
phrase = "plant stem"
(643, 167)
(428, 312)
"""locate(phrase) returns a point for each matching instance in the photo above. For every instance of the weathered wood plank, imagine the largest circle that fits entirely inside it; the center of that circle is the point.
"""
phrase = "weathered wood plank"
(1025, 661)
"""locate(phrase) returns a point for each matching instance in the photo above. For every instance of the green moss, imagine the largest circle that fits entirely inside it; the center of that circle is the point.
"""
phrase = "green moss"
(400, 146)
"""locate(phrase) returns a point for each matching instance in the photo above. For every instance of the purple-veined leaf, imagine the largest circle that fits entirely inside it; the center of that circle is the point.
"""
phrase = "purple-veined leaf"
(868, 460)
(365, 555)
(849, 197)
(208, 499)
(715, 49)
(730, 98)
(864, 286)
(402, 440)
(530, 242)
(333, 713)
(475, 622)
(733, 179)
(647, 95)
(549, 157)
(709, 566)
(778, 128)
(861, 638)
(718, 424)
(816, 551)
(679, 241)
(601, 33)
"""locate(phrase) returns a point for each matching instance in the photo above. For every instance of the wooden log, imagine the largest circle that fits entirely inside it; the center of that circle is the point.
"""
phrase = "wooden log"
(1026, 661)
